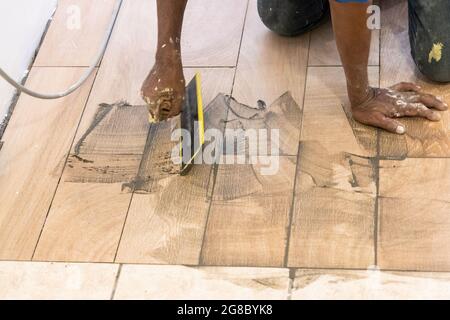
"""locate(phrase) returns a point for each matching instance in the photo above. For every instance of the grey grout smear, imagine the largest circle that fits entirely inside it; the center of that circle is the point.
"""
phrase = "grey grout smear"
(120, 146)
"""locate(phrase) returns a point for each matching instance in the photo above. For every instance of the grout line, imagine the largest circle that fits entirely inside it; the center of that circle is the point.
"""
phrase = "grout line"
(139, 169)
(9, 113)
(142, 163)
(377, 171)
(335, 65)
(291, 210)
(400, 198)
(63, 66)
(74, 137)
(209, 67)
(215, 167)
(399, 159)
(67, 262)
(124, 224)
(297, 165)
(213, 171)
(116, 282)
(325, 269)
(240, 47)
(376, 168)
(330, 269)
(380, 44)
(292, 273)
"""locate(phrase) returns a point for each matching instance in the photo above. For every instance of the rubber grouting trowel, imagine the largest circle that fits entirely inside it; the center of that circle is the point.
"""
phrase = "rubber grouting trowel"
(192, 123)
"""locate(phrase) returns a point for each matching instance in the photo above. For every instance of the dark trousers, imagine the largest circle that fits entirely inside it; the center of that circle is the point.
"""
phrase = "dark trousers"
(429, 28)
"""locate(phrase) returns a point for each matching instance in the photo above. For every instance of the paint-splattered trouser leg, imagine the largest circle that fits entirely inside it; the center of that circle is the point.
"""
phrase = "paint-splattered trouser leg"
(429, 29)
(292, 17)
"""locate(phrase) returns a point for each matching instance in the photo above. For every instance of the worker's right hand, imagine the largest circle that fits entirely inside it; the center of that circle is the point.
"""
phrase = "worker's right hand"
(384, 107)
(164, 88)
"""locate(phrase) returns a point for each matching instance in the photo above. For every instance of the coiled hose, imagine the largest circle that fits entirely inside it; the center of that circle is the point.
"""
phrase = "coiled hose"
(83, 78)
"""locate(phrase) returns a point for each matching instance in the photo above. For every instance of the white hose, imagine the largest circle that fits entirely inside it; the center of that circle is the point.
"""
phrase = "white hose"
(85, 76)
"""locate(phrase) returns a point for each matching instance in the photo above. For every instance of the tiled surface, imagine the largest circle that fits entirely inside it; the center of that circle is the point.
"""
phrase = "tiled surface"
(323, 50)
(414, 194)
(50, 281)
(179, 282)
(414, 211)
(369, 285)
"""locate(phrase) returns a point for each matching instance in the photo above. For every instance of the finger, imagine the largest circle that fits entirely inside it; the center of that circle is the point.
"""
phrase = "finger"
(150, 104)
(406, 86)
(441, 99)
(419, 110)
(386, 123)
(429, 100)
(176, 109)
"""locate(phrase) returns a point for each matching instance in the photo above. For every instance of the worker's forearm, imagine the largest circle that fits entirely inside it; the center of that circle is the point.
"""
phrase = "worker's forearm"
(170, 23)
(353, 42)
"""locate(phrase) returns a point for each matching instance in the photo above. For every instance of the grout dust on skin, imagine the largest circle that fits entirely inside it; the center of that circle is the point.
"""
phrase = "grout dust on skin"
(401, 103)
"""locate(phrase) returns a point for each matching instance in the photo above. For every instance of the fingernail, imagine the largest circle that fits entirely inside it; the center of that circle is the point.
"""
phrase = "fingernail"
(400, 130)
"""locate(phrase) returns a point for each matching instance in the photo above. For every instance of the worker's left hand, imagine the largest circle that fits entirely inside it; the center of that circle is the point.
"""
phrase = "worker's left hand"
(405, 99)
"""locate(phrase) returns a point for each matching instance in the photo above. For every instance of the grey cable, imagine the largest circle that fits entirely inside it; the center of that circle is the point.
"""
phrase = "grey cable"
(85, 76)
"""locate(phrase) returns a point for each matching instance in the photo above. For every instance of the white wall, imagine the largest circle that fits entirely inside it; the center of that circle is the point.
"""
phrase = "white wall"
(22, 24)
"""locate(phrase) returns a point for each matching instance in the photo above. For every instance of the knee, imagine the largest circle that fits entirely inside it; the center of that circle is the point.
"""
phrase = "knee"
(429, 35)
(437, 75)
(292, 17)
(432, 60)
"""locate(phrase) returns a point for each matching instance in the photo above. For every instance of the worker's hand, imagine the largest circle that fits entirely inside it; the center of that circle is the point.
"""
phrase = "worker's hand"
(385, 106)
(164, 89)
